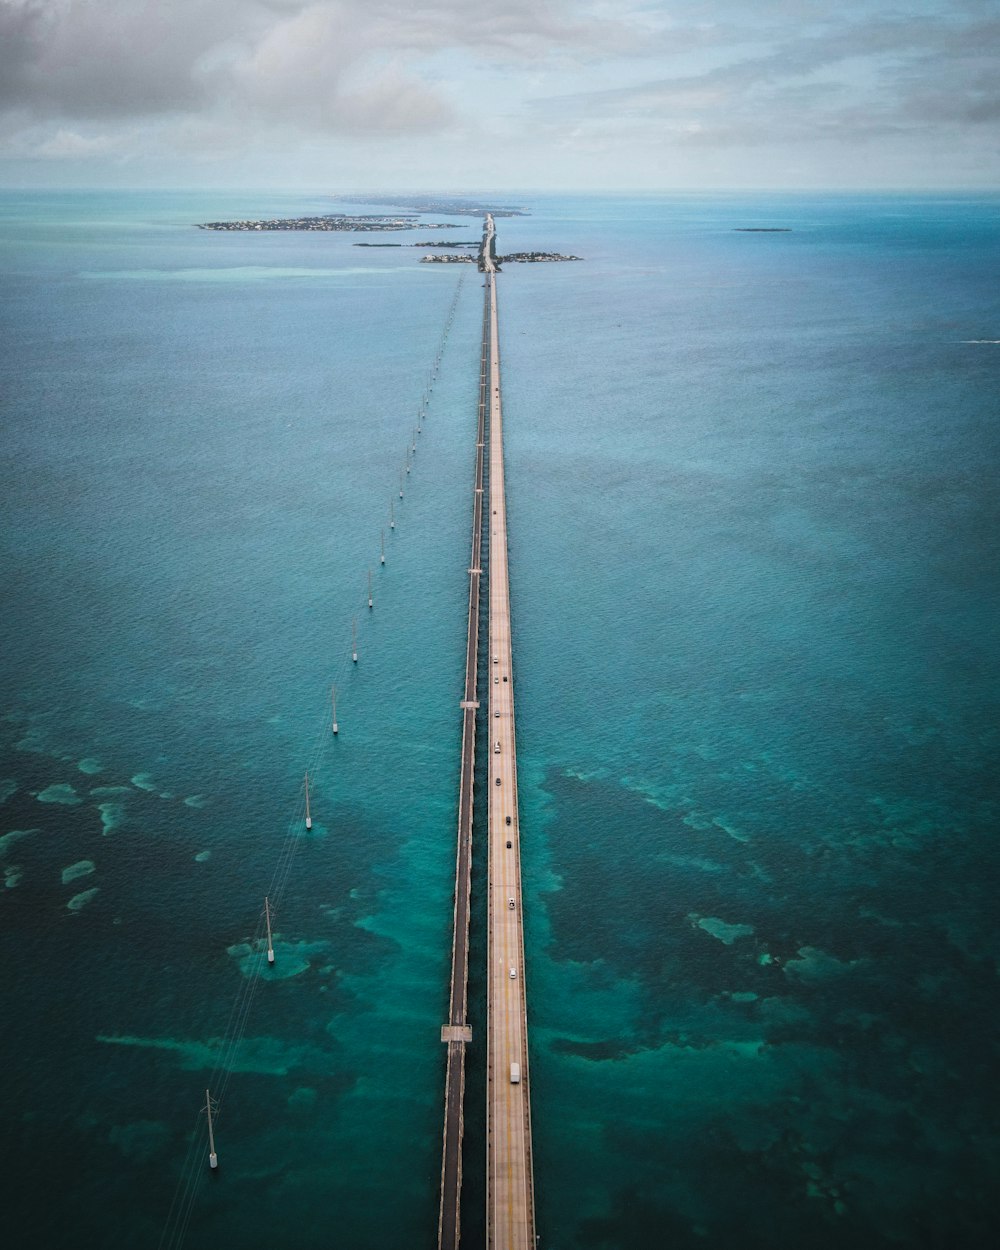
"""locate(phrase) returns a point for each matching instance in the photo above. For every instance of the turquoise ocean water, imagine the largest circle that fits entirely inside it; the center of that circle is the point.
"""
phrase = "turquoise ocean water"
(753, 529)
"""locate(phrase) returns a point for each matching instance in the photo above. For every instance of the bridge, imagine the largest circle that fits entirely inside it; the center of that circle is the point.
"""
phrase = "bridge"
(488, 247)
(510, 1219)
(457, 1033)
(510, 1203)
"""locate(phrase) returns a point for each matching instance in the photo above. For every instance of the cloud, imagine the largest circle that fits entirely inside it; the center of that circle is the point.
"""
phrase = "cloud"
(845, 80)
(70, 145)
(85, 59)
(321, 69)
(542, 82)
(391, 103)
(128, 58)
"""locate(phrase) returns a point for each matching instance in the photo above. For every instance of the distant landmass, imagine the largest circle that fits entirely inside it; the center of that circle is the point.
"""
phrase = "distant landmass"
(334, 221)
(763, 229)
(529, 258)
(425, 204)
(426, 243)
(368, 223)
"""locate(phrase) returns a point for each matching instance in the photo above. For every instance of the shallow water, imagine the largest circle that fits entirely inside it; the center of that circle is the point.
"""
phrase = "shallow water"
(753, 550)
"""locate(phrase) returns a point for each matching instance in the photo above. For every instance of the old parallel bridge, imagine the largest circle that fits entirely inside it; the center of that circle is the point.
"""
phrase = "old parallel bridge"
(510, 1217)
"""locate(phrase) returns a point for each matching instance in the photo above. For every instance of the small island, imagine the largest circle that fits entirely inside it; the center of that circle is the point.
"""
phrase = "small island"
(425, 243)
(517, 258)
(450, 207)
(763, 229)
(334, 221)
(529, 258)
(532, 258)
(455, 252)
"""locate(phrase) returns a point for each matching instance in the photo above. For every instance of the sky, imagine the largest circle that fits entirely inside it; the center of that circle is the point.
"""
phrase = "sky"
(437, 95)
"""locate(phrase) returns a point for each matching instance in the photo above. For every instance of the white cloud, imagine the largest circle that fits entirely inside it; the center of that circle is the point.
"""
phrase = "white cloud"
(840, 82)
(447, 85)
(71, 145)
(320, 69)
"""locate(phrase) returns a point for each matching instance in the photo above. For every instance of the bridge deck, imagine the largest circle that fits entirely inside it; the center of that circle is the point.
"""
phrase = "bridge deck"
(457, 1032)
(510, 1214)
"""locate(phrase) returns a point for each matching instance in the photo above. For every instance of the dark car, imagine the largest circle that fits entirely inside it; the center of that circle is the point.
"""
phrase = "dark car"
(498, 781)
(508, 820)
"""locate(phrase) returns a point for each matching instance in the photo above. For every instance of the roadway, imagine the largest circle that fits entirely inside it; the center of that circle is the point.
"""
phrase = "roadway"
(488, 247)
(510, 1217)
(457, 1033)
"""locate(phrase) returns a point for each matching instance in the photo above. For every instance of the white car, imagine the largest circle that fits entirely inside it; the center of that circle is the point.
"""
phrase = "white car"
(513, 973)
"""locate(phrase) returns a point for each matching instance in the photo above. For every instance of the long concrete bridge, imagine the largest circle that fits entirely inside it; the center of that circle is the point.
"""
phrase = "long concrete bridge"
(457, 1033)
(510, 1201)
(510, 1216)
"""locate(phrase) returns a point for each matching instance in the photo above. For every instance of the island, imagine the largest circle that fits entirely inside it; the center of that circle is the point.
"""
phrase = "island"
(425, 243)
(376, 223)
(451, 207)
(763, 229)
(530, 258)
(334, 221)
